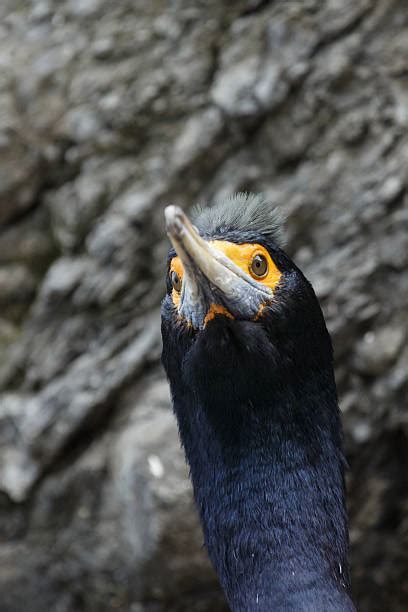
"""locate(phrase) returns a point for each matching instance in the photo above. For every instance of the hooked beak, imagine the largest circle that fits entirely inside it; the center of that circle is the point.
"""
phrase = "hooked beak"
(210, 278)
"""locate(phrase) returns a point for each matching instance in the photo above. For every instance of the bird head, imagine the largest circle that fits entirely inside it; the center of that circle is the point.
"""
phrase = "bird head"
(229, 264)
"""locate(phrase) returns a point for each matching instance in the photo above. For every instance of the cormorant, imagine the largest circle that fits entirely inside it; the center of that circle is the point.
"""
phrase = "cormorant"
(249, 361)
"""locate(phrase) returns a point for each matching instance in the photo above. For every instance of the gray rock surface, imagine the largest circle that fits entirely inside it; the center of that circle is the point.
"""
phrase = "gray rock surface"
(108, 112)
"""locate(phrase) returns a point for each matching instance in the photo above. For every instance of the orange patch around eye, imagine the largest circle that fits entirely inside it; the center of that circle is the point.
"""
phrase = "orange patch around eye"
(242, 256)
(176, 266)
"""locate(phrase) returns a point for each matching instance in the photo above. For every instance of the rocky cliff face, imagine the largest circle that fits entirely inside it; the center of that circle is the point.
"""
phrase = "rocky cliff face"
(108, 112)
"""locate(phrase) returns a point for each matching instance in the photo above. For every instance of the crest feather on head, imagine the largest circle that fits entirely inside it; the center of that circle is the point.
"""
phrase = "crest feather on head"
(246, 212)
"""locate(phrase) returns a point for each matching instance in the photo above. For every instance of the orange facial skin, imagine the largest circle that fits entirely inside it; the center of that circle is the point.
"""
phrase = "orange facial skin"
(242, 255)
(214, 310)
(176, 266)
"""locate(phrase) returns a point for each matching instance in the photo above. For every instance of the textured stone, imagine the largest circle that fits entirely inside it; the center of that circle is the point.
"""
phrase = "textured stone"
(378, 350)
(17, 285)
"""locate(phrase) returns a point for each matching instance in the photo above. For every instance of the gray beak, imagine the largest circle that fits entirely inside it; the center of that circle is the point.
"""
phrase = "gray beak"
(210, 278)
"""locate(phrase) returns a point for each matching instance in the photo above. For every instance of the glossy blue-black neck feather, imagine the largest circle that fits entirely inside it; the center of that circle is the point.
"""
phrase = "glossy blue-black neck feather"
(259, 421)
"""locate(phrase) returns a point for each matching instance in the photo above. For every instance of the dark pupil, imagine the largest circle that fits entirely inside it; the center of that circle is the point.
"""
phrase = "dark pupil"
(175, 279)
(259, 265)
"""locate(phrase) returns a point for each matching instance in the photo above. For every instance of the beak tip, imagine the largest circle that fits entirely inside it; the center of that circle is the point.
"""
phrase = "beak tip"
(174, 220)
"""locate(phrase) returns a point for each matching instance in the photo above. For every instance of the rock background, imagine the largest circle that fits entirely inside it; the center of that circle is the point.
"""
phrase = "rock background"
(108, 112)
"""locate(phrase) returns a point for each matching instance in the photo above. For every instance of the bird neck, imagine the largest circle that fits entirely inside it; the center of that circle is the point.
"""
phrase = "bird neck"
(272, 508)
(264, 448)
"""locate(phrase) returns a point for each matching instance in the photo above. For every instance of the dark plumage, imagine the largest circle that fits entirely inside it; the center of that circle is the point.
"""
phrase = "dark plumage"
(256, 405)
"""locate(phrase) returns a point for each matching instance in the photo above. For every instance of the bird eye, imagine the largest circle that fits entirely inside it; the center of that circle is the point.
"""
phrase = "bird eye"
(176, 281)
(259, 266)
